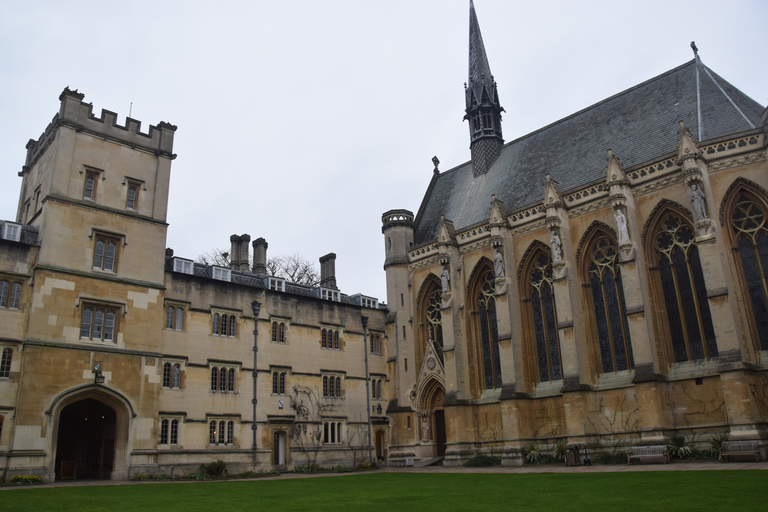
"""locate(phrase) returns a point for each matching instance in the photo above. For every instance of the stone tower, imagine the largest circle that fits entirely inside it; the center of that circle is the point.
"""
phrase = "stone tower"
(482, 98)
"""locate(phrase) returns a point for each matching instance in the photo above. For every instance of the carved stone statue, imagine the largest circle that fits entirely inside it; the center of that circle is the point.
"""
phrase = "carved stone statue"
(445, 279)
(621, 225)
(554, 240)
(699, 202)
(498, 264)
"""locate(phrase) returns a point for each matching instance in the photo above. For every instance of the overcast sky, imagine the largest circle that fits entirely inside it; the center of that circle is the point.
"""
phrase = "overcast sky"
(303, 121)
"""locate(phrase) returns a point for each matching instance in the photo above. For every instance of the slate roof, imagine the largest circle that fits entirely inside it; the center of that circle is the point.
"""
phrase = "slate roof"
(639, 125)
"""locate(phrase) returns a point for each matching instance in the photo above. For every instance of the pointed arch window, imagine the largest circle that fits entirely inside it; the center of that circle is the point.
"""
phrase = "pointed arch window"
(751, 240)
(435, 321)
(604, 277)
(685, 296)
(544, 319)
(486, 329)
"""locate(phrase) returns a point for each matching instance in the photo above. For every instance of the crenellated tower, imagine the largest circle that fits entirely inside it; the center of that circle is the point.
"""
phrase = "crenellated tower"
(483, 109)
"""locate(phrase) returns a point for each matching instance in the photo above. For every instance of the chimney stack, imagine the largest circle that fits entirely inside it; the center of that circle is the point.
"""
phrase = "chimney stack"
(328, 271)
(260, 256)
(239, 255)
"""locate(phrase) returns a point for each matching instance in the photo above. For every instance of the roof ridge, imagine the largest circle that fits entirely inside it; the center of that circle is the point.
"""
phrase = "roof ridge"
(563, 119)
(606, 100)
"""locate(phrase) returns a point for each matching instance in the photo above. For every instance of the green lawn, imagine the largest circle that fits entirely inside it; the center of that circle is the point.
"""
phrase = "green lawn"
(676, 491)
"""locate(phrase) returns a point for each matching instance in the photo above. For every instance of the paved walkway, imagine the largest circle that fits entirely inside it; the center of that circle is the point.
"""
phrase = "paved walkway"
(544, 468)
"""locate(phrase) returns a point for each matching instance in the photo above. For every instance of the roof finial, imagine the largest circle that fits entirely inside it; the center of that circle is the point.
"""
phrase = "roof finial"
(693, 47)
(436, 162)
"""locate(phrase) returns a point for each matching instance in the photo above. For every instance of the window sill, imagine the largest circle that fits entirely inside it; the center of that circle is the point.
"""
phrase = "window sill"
(620, 379)
(545, 389)
(693, 369)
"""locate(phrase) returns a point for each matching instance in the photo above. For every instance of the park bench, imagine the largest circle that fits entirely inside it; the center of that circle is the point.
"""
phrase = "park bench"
(648, 453)
(731, 448)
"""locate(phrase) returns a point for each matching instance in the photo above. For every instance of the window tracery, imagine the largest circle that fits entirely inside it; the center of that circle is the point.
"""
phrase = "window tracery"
(685, 295)
(542, 310)
(751, 236)
(604, 277)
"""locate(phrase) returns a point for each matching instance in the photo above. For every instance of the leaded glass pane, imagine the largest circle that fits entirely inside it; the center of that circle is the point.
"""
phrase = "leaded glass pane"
(548, 301)
(541, 344)
(603, 337)
(616, 322)
(673, 312)
(109, 258)
(109, 326)
(85, 326)
(15, 299)
(98, 324)
(98, 254)
(701, 296)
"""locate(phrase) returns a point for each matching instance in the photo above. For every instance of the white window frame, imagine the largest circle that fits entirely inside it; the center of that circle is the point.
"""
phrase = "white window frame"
(220, 273)
(330, 294)
(277, 284)
(12, 231)
(183, 266)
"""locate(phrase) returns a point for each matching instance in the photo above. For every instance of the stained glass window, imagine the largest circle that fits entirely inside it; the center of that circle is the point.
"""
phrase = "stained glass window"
(608, 301)
(542, 302)
(685, 296)
(489, 336)
(748, 222)
(435, 321)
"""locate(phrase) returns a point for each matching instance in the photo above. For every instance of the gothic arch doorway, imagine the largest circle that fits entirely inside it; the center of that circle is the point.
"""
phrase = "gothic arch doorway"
(90, 434)
(432, 415)
(86, 440)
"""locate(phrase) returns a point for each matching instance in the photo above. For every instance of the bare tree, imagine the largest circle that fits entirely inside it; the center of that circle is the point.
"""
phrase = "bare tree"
(357, 440)
(216, 257)
(307, 431)
(293, 268)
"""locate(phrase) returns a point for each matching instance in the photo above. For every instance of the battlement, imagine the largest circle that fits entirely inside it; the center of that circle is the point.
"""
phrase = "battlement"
(394, 218)
(76, 114)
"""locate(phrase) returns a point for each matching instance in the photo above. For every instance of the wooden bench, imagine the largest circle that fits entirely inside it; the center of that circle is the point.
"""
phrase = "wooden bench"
(731, 448)
(648, 453)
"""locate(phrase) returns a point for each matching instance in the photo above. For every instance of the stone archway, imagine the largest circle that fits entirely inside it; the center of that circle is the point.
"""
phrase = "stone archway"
(86, 440)
(90, 434)
(432, 416)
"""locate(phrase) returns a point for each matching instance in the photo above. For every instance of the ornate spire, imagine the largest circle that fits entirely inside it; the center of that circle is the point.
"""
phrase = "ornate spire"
(482, 103)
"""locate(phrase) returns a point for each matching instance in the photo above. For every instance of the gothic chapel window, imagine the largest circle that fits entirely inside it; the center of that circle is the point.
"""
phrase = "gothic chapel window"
(682, 284)
(542, 315)
(486, 328)
(607, 293)
(751, 239)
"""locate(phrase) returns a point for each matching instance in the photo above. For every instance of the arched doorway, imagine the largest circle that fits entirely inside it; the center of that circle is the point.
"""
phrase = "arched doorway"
(92, 401)
(433, 416)
(86, 440)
